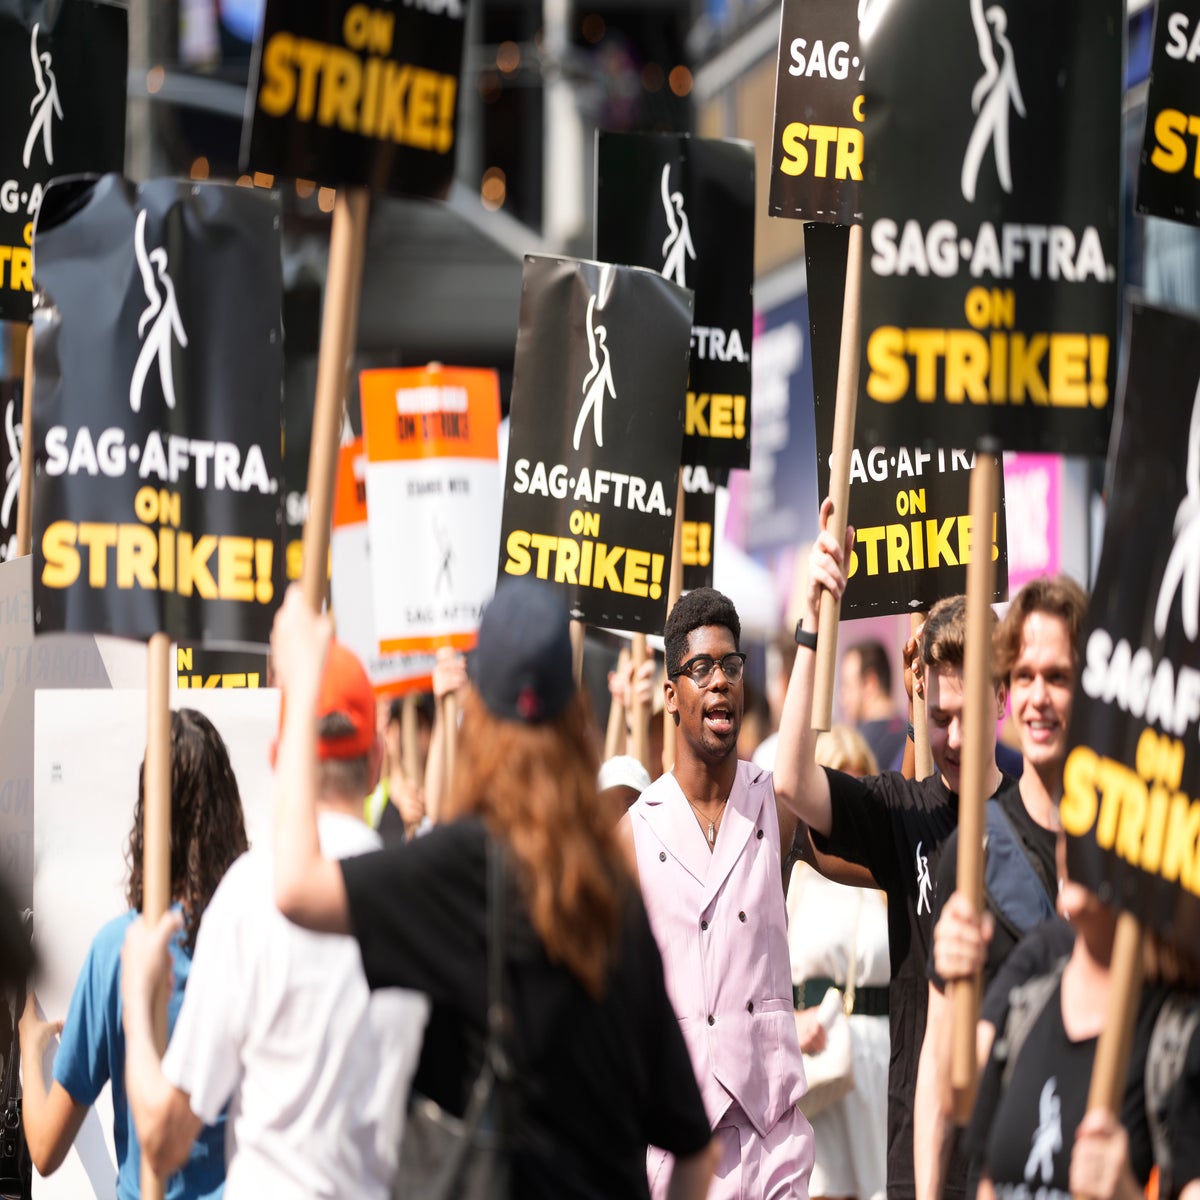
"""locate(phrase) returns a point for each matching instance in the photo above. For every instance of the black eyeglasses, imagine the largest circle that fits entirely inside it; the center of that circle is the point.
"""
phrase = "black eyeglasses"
(700, 669)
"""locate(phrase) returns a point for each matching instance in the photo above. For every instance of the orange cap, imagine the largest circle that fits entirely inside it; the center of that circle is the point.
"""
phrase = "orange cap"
(345, 689)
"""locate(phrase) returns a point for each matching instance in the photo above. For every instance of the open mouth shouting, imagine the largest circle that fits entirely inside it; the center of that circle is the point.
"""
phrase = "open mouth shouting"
(719, 718)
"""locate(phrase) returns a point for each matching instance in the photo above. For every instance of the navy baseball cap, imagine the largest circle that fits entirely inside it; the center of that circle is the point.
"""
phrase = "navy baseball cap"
(522, 666)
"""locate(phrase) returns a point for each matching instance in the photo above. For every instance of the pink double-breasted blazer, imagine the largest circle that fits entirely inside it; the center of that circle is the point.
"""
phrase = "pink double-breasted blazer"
(719, 919)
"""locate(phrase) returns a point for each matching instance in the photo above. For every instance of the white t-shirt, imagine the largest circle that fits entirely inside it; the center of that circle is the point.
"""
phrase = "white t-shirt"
(279, 1022)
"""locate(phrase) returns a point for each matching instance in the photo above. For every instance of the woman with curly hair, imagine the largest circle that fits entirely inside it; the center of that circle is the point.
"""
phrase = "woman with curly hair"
(207, 834)
(599, 1066)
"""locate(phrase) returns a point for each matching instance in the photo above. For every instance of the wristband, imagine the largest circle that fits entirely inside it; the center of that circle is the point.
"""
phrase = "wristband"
(804, 637)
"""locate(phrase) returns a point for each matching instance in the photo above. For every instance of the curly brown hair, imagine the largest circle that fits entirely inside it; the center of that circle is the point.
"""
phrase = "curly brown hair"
(207, 828)
(535, 788)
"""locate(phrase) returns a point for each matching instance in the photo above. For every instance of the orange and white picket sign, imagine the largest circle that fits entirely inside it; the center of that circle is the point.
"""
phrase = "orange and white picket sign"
(433, 502)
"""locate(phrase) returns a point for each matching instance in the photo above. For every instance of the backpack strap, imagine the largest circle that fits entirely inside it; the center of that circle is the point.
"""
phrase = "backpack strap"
(1174, 1028)
(1014, 889)
(1026, 1002)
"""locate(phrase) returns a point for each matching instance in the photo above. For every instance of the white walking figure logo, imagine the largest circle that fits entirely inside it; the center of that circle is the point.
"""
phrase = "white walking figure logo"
(1183, 566)
(1047, 1137)
(996, 91)
(677, 248)
(12, 474)
(923, 880)
(598, 382)
(44, 105)
(163, 311)
(446, 550)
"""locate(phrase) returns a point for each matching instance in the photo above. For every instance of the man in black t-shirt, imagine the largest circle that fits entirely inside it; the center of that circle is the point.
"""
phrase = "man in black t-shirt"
(1037, 652)
(894, 826)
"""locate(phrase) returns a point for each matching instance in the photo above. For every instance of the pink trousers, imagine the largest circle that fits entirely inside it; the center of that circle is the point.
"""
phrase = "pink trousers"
(750, 1167)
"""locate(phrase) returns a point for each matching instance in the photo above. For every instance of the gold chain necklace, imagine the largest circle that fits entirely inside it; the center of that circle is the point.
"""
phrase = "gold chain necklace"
(712, 825)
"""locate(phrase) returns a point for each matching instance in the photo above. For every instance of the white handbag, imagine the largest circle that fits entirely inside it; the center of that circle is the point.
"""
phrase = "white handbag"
(830, 1072)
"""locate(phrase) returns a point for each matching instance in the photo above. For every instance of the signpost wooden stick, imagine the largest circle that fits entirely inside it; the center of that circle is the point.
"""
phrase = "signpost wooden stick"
(25, 495)
(1125, 984)
(156, 830)
(639, 718)
(674, 591)
(339, 322)
(616, 735)
(409, 749)
(924, 758)
(979, 735)
(839, 474)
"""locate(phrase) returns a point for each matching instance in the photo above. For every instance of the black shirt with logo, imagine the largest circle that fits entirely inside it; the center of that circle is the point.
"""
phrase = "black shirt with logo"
(1023, 1133)
(897, 827)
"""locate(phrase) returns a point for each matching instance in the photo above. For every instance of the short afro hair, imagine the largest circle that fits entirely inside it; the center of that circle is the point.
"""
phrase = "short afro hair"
(703, 606)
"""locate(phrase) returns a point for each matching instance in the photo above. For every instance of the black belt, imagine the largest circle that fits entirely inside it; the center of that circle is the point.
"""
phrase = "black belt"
(868, 1001)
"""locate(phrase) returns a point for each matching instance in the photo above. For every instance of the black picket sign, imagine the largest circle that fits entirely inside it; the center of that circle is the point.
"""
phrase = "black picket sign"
(699, 544)
(989, 295)
(684, 207)
(10, 464)
(1169, 174)
(1131, 783)
(594, 437)
(910, 506)
(357, 94)
(817, 154)
(157, 411)
(63, 80)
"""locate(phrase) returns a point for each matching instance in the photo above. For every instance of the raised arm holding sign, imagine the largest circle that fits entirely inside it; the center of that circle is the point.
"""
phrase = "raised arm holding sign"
(146, 429)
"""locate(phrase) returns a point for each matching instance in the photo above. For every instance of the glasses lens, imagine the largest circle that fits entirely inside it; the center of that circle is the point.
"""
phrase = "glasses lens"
(703, 668)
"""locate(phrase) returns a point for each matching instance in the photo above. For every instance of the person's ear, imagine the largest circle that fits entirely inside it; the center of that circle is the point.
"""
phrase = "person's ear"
(1001, 699)
(671, 698)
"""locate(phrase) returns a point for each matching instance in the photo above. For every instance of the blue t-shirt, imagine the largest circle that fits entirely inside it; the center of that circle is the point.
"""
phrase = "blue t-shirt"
(92, 1053)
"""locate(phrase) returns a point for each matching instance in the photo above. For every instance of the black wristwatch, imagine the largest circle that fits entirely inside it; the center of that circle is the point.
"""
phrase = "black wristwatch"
(804, 637)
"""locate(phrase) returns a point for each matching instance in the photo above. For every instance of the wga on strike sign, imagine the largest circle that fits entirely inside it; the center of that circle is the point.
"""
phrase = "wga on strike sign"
(157, 410)
(1131, 784)
(432, 480)
(991, 226)
(353, 599)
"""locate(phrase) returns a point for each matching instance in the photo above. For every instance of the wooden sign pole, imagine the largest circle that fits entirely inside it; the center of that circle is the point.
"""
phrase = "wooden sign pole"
(979, 733)
(674, 591)
(25, 495)
(616, 735)
(339, 328)
(1111, 1064)
(409, 750)
(839, 474)
(639, 718)
(924, 757)
(156, 831)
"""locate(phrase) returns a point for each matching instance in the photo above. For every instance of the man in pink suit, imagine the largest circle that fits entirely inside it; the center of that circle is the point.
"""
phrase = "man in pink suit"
(707, 841)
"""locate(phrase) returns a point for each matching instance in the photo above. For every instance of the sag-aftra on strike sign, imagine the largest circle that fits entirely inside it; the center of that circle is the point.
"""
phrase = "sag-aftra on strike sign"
(358, 94)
